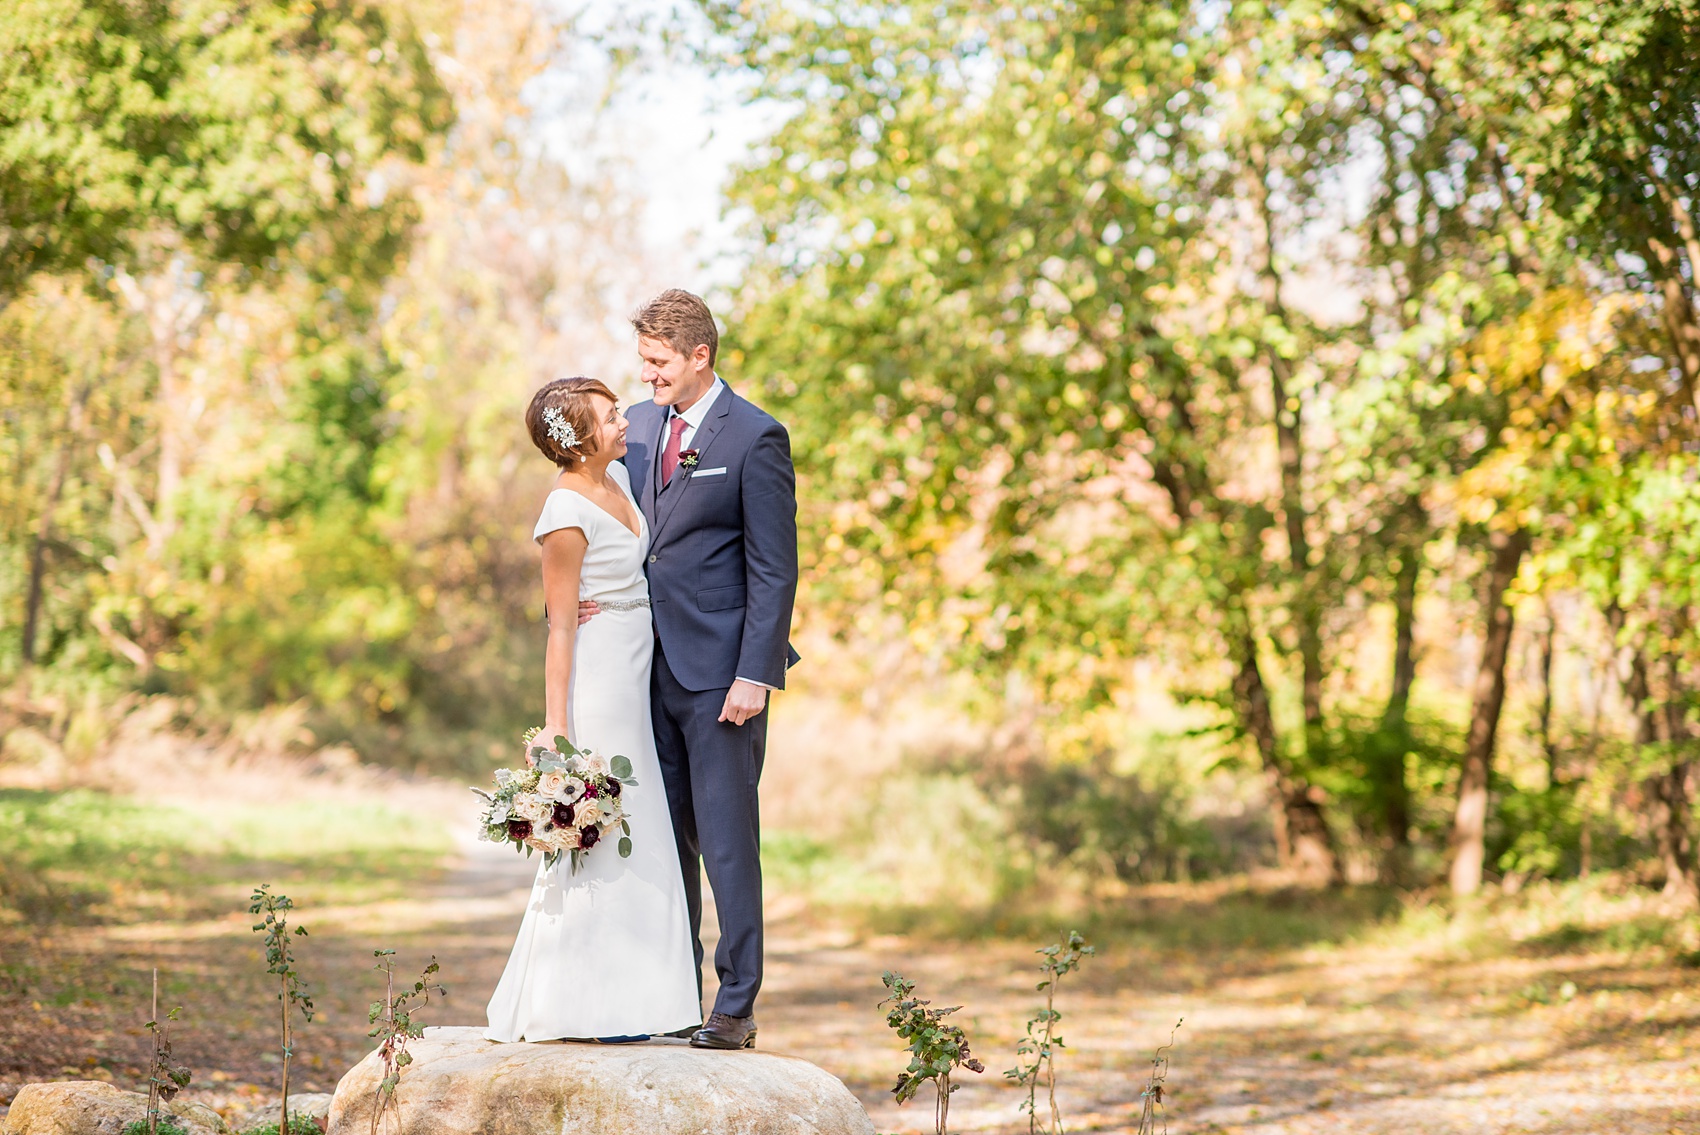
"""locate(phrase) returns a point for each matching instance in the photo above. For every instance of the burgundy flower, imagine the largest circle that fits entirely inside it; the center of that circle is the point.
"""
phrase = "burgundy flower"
(612, 787)
(562, 815)
(588, 835)
(590, 792)
(519, 830)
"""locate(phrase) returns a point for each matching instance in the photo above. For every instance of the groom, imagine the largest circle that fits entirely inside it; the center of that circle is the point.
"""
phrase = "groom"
(713, 476)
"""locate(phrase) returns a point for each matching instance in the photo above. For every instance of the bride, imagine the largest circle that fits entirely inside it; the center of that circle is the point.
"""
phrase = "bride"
(604, 954)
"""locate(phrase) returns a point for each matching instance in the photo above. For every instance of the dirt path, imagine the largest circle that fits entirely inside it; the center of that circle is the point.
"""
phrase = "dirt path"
(1360, 1039)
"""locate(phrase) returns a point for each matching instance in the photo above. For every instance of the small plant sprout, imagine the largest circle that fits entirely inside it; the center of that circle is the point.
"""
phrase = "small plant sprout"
(935, 1048)
(1152, 1120)
(165, 1079)
(1036, 1054)
(280, 963)
(392, 1023)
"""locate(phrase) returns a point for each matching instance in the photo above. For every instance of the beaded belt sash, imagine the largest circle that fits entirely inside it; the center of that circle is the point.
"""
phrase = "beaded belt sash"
(622, 604)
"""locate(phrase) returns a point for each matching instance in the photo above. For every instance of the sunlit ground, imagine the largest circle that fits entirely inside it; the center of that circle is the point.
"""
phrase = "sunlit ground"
(1566, 1008)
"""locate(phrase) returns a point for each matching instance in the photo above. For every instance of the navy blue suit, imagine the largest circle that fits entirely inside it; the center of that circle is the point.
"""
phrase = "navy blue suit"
(722, 582)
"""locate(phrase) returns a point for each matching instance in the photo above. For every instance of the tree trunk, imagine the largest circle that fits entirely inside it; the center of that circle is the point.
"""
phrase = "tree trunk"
(1679, 318)
(38, 555)
(1682, 323)
(170, 440)
(1469, 821)
(1302, 838)
(1388, 770)
(44, 530)
(1289, 447)
(1670, 788)
(1549, 638)
(172, 307)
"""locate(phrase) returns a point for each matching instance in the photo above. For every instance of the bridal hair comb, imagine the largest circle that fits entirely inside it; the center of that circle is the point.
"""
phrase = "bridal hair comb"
(559, 428)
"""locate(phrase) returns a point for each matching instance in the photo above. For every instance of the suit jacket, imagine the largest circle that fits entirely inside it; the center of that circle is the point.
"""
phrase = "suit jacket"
(723, 543)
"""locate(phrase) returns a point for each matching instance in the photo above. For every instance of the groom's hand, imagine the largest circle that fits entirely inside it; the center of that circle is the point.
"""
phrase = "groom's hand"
(587, 608)
(743, 701)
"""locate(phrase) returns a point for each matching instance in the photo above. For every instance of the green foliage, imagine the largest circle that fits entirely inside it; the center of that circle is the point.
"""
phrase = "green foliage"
(320, 534)
(244, 133)
(298, 1125)
(166, 1126)
(280, 963)
(936, 1049)
(1036, 1053)
(1029, 296)
(165, 1079)
(1137, 826)
(393, 1026)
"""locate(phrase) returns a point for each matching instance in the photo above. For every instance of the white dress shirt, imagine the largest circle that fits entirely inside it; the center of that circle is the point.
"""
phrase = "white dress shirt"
(694, 418)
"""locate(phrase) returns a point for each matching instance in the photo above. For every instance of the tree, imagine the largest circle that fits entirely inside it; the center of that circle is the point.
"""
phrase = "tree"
(234, 132)
(169, 138)
(1570, 129)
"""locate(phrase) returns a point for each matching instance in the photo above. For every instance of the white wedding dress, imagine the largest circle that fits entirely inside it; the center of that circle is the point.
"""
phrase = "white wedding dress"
(606, 952)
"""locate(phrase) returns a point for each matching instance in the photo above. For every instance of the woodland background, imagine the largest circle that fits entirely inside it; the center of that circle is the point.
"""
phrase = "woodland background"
(1236, 441)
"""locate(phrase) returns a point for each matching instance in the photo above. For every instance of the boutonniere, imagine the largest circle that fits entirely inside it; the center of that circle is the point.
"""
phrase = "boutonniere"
(688, 458)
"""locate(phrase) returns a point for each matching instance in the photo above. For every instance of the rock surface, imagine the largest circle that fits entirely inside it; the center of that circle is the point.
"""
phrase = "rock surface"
(459, 1083)
(90, 1107)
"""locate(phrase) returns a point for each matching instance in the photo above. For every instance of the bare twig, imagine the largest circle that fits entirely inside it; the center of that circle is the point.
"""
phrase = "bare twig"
(1152, 1120)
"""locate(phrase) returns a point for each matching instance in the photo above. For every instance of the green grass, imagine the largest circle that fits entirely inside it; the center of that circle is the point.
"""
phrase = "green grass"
(84, 857)
(976, 895)
(1016, 900)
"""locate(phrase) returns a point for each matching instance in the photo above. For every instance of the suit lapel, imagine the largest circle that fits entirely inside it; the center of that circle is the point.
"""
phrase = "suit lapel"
(705, 435)
(646, 471)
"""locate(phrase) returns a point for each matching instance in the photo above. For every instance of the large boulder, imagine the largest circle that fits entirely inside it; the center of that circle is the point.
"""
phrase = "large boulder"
(90, 1107)
(461, 1084)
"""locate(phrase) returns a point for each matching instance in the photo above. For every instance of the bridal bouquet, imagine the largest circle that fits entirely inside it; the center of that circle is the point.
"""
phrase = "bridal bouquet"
(567, 802)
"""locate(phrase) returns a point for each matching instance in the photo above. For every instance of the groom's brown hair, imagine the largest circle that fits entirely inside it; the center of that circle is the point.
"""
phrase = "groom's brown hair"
(679, 319)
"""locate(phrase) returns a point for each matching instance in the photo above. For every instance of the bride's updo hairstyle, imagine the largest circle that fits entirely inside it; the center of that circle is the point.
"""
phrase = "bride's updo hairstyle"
(574, 417)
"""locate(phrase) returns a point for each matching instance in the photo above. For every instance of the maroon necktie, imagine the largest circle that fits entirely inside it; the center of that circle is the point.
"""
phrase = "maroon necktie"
(670, 455)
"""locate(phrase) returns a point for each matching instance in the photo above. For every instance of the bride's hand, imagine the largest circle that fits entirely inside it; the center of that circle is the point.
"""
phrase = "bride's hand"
(546, 739)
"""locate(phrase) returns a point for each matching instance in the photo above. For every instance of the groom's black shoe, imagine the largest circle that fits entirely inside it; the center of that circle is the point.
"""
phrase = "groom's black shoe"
(726, 1032)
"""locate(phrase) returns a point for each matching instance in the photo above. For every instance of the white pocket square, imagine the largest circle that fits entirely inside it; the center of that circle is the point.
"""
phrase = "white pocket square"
(708, 472)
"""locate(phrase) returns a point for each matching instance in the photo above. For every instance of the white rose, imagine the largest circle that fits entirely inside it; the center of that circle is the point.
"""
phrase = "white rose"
(597, 764)
(567, 840)
(587, 812)
(552, 784)
(530, 806)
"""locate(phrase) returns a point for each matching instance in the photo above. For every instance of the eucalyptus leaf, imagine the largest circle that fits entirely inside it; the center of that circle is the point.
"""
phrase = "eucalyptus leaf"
(620, 767)
(625, 847)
